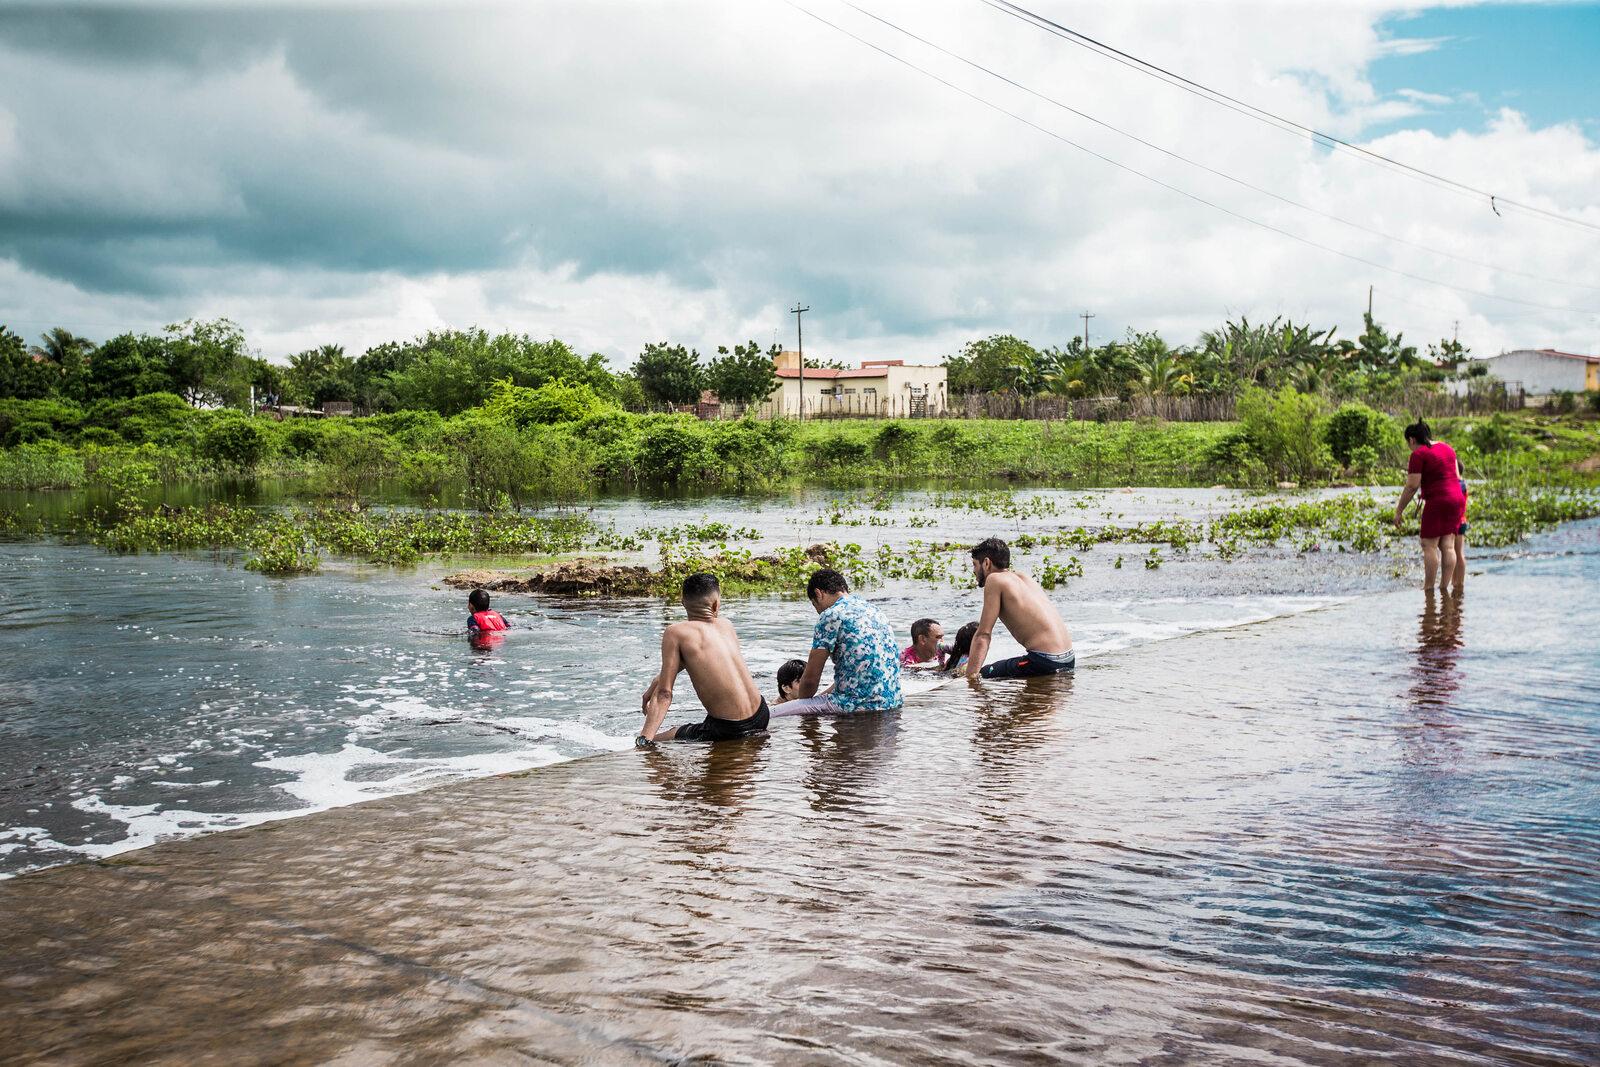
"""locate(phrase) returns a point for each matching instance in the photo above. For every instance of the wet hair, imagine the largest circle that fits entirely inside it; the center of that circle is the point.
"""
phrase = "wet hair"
(790, 673)
(962, 646)
(826, 581)
(995, 551)
(700, 586)
(1418, 431)
(921, 627)
(478, 600)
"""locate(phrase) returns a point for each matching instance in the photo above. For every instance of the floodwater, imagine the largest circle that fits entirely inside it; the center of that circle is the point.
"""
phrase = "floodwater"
(1369, 832)
(147, 697)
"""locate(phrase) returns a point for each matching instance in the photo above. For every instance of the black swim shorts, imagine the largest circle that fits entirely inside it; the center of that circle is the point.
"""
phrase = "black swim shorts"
(715, 729)
(1030, 665)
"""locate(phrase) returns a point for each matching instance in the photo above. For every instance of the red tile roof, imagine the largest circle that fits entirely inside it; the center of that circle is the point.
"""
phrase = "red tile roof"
(829, 372)
(1566, 355)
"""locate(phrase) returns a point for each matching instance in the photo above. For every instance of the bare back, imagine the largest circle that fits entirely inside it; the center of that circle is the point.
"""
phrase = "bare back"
(1026, 612)
(709, 651)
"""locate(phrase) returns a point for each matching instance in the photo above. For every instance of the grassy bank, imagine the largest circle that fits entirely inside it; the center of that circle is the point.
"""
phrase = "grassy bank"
(528, 449)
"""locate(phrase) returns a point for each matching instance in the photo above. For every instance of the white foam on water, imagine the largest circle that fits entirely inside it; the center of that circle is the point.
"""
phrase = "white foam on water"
(324, 780)
(577, 732)
(1113, 626)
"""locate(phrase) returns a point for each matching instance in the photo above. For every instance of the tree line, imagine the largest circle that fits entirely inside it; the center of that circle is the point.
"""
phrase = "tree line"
(1227, 360)
(450, 371)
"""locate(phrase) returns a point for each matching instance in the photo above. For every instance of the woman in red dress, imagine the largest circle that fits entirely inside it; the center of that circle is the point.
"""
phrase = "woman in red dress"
(1435, 471)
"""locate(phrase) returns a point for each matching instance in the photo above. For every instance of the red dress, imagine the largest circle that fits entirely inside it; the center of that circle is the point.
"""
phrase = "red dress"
(1444, 505)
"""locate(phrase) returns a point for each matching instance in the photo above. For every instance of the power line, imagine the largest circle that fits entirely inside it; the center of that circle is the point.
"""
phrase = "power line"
(1496, 200)
(1177, 189)
(1212, 170)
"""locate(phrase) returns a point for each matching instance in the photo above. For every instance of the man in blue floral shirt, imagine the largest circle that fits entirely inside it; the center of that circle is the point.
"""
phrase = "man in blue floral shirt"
(862, 645)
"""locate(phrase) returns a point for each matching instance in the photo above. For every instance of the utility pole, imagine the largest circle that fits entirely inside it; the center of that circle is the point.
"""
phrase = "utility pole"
(1369, 301)
(1086, 317)
(800, 345)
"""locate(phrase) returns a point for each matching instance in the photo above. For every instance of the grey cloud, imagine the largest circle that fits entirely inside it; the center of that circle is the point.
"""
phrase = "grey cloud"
(735, 149)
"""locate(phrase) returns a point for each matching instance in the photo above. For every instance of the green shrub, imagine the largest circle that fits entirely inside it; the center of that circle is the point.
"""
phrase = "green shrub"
(670, 450)
(303, 437)
(46, 465)
(357, 457)
(62, 417)
(234, 442)
(1284, 432)
(1355, 426)
(27, 433)
(750, 453)
(838, 452)
(1593, 396)
(561, 471)
(553, 402)
(161, 418)
(1364, 459)
(1497, 434)
(606, 427)
(896, 441)
(414, 429)
(950, 437)
(428, 474)
(498, 464)
(99, 436)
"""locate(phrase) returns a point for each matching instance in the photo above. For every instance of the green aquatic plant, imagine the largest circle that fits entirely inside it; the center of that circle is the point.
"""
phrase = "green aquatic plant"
(282, 549)
(704, 531)
(1052, 574)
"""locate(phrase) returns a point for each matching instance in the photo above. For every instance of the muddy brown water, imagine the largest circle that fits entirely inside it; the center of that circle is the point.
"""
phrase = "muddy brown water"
(1365, 833)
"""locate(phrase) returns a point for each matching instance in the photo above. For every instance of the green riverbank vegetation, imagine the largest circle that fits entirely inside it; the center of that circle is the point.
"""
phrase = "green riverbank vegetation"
(484, 432)
(561, 442)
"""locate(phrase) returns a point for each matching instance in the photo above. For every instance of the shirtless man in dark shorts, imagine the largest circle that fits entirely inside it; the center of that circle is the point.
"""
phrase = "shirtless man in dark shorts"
(1016, 600)
(708, 649)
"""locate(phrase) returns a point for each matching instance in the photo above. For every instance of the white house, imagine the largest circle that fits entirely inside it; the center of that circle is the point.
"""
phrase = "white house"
(878, 387)
(1544, 370)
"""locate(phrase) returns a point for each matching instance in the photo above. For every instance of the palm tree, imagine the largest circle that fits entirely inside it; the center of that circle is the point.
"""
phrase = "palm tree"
(61, 346)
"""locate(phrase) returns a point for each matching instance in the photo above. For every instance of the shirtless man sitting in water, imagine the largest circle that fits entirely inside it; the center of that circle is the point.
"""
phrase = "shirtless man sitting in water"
(1016, 600)
(708, 649)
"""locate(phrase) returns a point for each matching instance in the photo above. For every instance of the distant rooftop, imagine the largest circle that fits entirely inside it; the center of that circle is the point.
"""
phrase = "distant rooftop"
(1553, 352)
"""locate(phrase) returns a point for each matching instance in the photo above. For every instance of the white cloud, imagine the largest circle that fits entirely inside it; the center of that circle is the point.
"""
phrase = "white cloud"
(615, 174)
(1413, 46)
(1419, 97)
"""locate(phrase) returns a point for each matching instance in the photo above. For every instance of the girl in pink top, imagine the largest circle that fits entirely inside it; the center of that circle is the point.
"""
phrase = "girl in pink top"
(1435, 472)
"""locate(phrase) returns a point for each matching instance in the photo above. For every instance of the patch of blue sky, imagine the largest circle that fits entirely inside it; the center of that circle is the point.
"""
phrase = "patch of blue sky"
(1458, 66)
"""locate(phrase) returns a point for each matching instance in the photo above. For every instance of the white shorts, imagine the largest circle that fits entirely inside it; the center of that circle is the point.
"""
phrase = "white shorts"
(822, 704)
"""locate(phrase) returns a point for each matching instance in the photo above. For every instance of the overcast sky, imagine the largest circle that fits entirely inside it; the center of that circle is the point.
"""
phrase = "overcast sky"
(618, 173)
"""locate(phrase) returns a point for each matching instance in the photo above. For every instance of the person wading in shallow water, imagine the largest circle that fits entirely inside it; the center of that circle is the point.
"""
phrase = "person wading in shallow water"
(861, 643)
(1016, 600)
(1435, 471)
(707, 647)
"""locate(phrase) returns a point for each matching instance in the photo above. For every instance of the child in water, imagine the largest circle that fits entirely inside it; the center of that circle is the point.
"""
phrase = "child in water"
(925, 651)
(956, 658)
(482, 619)
(789, 680)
